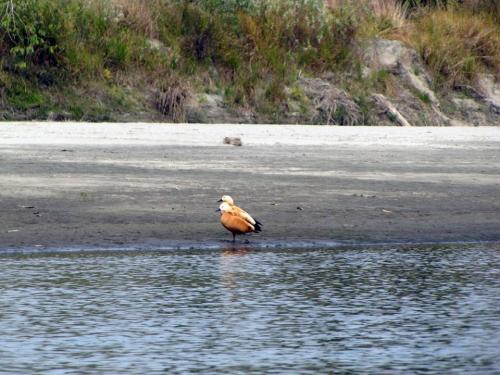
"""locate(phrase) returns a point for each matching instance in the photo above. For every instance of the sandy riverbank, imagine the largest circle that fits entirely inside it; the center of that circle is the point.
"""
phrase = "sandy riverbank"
(88, 185)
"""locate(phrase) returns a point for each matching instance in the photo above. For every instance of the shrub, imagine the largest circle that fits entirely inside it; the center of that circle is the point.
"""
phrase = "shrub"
(117, 51)
(31, 31)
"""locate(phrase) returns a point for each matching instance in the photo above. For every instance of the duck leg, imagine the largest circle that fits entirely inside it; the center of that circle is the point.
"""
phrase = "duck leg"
(234, 237)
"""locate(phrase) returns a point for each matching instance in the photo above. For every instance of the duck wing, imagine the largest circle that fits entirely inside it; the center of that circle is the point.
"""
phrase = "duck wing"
(246, 216)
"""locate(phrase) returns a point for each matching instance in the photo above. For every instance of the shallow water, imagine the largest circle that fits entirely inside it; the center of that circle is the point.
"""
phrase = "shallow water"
(426, 309)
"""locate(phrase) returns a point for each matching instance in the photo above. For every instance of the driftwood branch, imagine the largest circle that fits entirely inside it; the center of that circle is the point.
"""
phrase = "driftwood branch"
(390, 109)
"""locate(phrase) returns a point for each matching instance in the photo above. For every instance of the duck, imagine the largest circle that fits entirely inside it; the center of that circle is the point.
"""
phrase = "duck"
(233, 222)
(241, 212)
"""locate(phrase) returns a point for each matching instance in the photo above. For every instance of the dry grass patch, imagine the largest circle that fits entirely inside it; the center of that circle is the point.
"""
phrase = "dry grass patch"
(170, 98)
(391, 12)
(139, 15)
(456, 45)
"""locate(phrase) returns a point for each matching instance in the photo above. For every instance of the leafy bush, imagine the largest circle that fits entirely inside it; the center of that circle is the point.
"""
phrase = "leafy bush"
(31, 31)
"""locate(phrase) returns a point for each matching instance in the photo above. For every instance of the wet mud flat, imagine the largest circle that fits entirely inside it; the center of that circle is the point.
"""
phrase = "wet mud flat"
(112, 185)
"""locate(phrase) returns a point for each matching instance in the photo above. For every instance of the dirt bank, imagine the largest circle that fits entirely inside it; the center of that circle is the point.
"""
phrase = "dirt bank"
(91, 185)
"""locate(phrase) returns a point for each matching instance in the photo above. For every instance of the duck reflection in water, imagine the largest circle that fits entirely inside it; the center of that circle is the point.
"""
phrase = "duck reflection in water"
(235, 251)
(232, 269)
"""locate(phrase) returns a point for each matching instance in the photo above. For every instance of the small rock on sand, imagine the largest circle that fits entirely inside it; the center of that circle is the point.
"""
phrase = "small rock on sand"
(235, 141)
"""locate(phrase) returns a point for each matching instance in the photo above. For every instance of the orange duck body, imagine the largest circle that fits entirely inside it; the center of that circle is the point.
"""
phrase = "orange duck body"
(235, 224)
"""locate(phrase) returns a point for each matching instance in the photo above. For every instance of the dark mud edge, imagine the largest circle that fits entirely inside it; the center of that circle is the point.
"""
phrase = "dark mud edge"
(175, 246)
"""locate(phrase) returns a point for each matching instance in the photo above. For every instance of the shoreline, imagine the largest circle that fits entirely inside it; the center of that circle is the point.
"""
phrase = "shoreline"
(308, 245)
(115, 185)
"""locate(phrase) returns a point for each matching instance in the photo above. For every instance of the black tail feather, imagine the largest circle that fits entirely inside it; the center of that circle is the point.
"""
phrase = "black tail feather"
(258, 226)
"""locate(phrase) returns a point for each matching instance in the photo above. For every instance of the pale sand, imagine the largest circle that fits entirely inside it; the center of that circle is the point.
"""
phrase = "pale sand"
(45, 133)
(156, 185)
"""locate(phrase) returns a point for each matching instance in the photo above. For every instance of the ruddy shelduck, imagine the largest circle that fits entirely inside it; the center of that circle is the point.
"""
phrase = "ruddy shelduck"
(240, 212)
(235, 223)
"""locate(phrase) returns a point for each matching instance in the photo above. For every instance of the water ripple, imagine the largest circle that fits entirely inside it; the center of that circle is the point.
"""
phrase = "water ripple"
(402, 309)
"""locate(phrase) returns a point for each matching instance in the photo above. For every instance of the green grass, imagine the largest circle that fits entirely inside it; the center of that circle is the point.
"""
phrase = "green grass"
(423, 96)
(23, 97)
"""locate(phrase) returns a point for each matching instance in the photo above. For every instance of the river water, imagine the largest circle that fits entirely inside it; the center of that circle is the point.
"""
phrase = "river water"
(395, 310)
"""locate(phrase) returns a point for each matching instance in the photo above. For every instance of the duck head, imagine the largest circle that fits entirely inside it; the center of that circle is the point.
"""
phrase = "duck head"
(227, 199)
(224, 207)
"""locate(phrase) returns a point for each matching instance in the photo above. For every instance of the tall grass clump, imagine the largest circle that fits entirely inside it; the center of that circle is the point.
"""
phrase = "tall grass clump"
(171, 97)
(476, 5)
(391, 12)
(415, 4)
(456, 45)
(139, 16)
(490, 6)
(380, 17)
